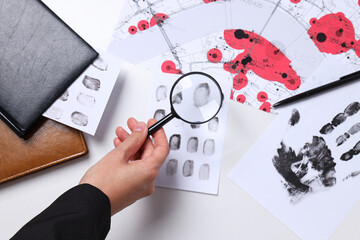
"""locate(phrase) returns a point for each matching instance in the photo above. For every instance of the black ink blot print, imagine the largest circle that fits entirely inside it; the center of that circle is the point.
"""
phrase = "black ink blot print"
(240, 34)
(295, 117)
(64, 97)
(295, 168)
(209, 147)
(213, 124)
(351, 175)
(195, 126)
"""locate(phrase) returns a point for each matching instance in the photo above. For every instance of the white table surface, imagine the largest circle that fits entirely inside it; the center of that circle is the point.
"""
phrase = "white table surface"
(167, 214)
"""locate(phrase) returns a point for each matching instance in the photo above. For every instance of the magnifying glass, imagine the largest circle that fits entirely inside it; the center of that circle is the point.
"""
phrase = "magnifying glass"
(195, 98)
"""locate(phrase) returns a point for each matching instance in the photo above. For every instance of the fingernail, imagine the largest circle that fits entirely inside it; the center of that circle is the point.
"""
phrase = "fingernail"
(140, 127)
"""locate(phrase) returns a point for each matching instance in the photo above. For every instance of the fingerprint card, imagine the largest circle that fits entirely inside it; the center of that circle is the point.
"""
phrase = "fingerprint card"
(196, 150)
(305, 169)
(83, 103)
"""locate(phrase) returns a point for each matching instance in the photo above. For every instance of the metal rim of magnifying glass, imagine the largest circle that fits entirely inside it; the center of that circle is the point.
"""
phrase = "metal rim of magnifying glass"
(192, 73)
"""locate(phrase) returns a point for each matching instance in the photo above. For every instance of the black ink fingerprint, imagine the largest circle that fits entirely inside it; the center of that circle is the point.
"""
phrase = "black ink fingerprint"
(177, 99)
(64, 97)
(352, 152)
(354, 129)
(86, 100)
(91, 83)
(209, 147)
(204, 172)
(100, 64)
(192, 145)
(201, 94)
(213, 124)
(195, 126)
(79, 119)
(352, 109)
(294, 167)
(327, 128)
(340, 118)
(351, 175)
(188, 168)
(171, 167)
(342, 138)
(161, 93)
(295, 117)
(175, 141)
(159, 114)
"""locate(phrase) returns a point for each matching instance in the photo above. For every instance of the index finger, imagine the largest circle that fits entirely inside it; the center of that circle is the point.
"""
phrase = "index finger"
(161, 150)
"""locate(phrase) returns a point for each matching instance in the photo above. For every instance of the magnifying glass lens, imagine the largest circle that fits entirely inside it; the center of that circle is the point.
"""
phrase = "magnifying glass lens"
(196, 98)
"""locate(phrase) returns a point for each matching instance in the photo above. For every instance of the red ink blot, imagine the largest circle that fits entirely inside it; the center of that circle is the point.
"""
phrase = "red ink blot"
(209, 1)
(143, 25)
(359, 2)
(214, 55)
(266, 106)
(262, 96)
(240, 81)
(132, 30)
(334, 34)
(241, 98)
(232, 94)
(169, 67)
(158, 18)
(260, 56)
(295, 1)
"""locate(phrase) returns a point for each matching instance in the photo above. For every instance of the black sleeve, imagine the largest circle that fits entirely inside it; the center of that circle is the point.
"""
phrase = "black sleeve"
(82, 212)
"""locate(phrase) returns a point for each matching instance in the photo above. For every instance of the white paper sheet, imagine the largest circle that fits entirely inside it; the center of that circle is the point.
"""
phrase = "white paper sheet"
(195, 155)
(296, 172)
(282, 24)
(84, 102)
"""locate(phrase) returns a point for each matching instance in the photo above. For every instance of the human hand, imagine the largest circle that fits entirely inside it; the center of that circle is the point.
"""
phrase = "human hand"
(127, 173)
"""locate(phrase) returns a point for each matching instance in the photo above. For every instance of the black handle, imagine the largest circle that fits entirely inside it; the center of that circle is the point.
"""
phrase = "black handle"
(153, 128)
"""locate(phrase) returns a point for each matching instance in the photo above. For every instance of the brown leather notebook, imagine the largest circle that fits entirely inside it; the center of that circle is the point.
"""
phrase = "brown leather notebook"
(49, 143)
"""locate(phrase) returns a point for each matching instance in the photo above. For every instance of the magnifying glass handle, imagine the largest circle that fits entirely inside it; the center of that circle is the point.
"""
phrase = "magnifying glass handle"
(153, 128)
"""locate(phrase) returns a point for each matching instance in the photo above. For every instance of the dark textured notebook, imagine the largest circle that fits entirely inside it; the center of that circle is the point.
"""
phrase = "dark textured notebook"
(49, 143)
(40, 56)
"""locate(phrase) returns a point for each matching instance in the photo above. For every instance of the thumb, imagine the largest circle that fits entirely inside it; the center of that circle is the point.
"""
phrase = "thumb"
(133, 143)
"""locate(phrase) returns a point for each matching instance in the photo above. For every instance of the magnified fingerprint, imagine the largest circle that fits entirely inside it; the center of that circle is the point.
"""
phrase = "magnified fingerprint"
(91, 83)
(79, 119)
(159, 114)
(86, 100)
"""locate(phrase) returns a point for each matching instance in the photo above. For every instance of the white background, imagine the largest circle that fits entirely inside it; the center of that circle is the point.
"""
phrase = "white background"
(167, 214)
